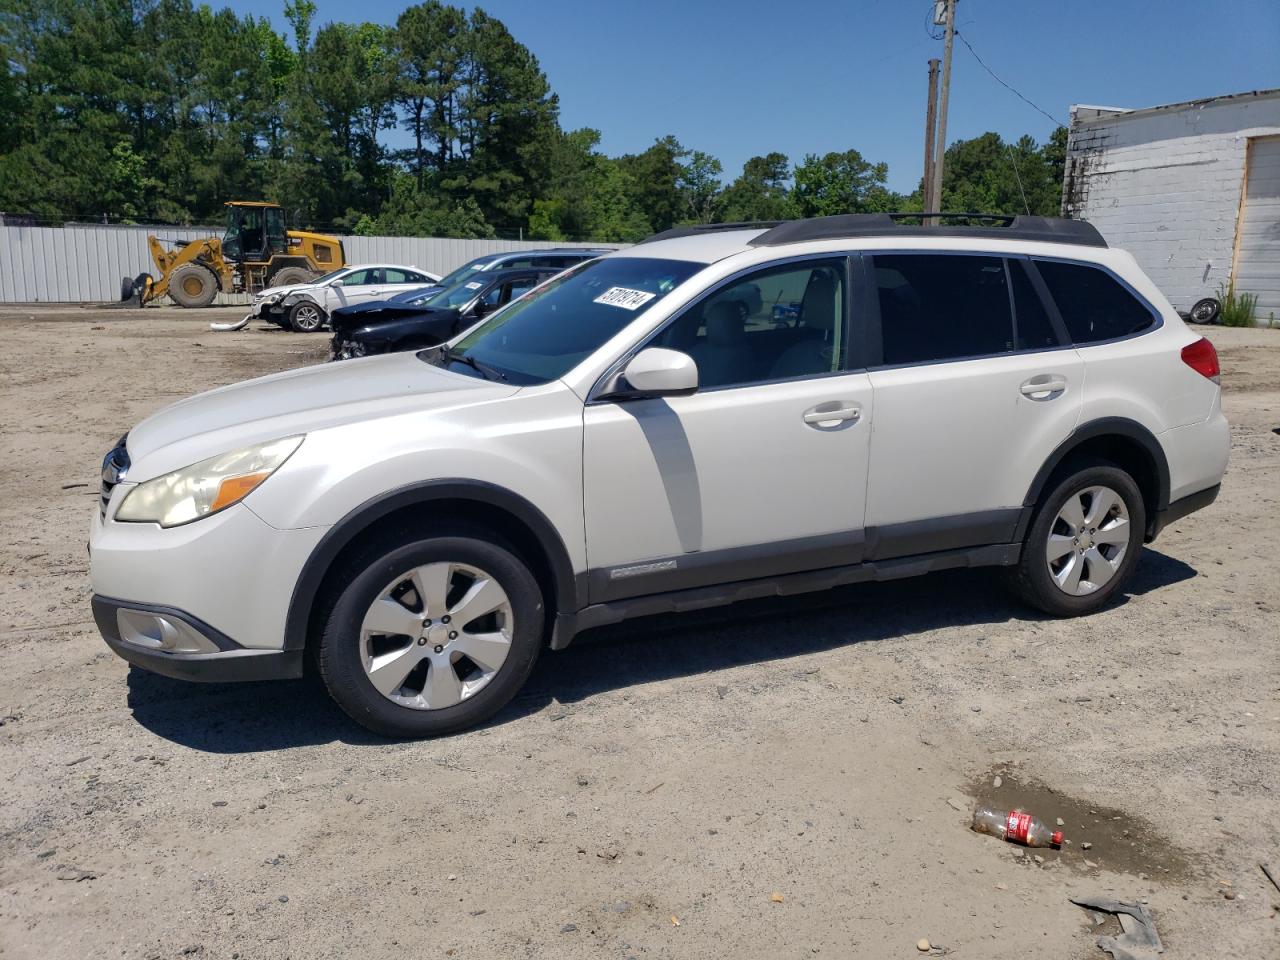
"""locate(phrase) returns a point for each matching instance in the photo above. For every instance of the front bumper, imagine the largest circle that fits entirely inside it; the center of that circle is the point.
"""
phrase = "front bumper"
(158, 639)
(273, 310)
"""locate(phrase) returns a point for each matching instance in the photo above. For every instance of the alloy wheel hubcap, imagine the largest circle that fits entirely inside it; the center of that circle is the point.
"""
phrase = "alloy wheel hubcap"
(308, 317)
(1088, 541)
(436, 635)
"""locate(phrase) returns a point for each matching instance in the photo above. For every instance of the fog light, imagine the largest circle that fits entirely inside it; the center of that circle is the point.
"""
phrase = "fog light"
(159, 632)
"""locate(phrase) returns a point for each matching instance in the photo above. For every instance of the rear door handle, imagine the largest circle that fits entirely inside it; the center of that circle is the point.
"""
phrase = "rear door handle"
(831, 413)
(1047, 386)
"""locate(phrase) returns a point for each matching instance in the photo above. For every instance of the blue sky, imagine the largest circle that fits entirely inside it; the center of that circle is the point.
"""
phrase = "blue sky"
(810, 76)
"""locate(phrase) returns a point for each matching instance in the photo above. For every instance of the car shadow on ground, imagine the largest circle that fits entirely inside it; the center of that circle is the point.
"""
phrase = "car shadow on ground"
(254, 717)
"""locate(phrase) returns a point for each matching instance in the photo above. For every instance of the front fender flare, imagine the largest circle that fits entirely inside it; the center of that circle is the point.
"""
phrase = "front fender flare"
(570, 589)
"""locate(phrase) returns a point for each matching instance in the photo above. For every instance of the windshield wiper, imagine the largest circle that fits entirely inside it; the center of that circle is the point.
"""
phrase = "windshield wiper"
(486, 371)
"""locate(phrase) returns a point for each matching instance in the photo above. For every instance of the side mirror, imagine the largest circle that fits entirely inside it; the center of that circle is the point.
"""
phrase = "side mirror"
(336, 283)
(658, 372)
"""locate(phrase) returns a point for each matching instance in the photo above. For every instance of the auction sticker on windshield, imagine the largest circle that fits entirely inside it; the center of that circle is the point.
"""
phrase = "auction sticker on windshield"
(625, 298)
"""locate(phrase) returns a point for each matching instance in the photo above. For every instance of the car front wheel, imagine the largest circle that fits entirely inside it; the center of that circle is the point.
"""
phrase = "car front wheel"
(1084, 542)
(306, 317)
(432, 636)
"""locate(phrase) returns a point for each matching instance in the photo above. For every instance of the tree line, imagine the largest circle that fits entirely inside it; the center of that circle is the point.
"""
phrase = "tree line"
(443, 124)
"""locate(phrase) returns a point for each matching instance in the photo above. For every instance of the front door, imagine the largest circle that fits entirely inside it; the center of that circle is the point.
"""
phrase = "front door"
(762, 471)
(358, 286)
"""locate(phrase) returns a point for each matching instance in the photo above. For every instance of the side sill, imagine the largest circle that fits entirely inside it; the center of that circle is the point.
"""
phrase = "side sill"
(680, 601)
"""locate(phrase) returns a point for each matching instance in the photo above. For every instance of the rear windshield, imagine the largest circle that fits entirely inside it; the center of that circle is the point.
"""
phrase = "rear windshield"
(466, 271)
(551, 329)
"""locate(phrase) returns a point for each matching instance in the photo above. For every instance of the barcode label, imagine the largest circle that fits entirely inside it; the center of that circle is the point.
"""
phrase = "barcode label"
(625, 298)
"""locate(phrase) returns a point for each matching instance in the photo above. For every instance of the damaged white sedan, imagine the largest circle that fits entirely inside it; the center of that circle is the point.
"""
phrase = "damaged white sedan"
(305, 307)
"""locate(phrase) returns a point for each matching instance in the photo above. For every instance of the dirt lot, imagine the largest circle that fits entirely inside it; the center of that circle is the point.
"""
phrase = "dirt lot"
(783, 779)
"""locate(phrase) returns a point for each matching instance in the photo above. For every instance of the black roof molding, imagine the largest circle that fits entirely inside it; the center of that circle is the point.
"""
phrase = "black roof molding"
(989, 227)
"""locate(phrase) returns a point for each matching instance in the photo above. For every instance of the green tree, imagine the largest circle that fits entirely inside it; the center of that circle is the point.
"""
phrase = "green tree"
(841, 183)
(988, 175)
(589, 197)
(656, 176)
(700, 184)
(761, 192)
(411, 211)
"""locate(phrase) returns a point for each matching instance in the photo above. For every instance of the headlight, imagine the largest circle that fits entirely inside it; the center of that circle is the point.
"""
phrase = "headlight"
(205, 487)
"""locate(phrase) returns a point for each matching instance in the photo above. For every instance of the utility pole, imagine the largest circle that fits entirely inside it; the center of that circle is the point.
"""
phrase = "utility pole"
(941, 143)
(930, 124)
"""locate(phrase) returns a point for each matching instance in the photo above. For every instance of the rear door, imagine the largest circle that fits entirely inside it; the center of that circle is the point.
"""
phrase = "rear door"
(974, 388)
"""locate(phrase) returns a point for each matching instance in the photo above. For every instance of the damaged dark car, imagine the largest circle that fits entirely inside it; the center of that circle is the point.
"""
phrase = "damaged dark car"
(415, 320)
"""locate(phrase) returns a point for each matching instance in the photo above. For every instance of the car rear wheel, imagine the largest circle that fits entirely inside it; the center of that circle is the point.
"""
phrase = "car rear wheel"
(1084, 542)
(432, 636)
(306, 317)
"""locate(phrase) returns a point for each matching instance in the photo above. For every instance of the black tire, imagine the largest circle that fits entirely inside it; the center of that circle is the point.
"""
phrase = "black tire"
(193, 285)
(1205, 311)
(307, 316)
(126, 288)
(339, 657)
(288, 276)
(1031, 578)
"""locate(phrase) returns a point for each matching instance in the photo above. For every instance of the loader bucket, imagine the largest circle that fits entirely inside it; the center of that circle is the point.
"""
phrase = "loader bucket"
(133, 293)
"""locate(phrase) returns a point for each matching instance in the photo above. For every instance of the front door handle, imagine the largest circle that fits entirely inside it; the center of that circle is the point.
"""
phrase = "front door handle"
(832, 413)
(1047, 386)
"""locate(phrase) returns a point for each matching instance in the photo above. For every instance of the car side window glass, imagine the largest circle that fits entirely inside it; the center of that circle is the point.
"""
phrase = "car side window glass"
(936, 307)
(357, 278)
(1033, 328)
(783, 322)
(519, 287)
(1095, 306)
(395, 276)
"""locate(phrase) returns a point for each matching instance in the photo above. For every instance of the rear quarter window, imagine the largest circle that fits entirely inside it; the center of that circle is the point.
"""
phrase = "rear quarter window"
(1095, 306)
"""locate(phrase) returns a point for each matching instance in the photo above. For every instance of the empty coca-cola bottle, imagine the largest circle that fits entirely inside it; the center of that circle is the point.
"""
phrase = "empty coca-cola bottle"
(1016, 826)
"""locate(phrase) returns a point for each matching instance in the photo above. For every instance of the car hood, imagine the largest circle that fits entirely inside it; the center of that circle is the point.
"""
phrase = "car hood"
(284, 291)
(296, 402)
(383, 311)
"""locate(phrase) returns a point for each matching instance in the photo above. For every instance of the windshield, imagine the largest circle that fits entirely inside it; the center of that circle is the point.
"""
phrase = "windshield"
(551, 329)
(459, 295)
(332, 275)
(466, 271)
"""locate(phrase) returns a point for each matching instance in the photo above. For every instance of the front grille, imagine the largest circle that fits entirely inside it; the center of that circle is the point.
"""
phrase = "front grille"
(114, 466)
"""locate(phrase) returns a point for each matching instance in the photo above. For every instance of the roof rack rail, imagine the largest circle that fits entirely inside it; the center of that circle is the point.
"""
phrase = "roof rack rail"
(848, 225)
(695, 229)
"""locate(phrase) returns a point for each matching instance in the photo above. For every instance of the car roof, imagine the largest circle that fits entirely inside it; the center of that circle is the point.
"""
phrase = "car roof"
(382, 266)
(708, 243)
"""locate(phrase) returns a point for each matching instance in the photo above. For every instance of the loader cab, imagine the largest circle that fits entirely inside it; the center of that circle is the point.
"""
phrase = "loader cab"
(255, 232)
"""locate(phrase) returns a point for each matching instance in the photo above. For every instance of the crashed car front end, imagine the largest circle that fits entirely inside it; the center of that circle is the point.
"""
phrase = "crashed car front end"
(272, 306)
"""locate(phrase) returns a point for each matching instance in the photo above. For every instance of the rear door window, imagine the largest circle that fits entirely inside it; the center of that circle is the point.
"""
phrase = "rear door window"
(1033, 328)
(1095, 306)
(936, 307)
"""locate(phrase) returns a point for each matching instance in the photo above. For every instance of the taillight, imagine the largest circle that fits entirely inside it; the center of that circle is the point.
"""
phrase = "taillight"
(1203, 359)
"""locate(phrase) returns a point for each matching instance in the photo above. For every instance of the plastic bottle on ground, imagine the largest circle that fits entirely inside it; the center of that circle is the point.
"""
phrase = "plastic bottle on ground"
(1016, 826)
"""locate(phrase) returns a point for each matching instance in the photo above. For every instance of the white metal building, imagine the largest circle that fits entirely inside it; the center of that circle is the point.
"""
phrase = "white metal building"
(1192, 190)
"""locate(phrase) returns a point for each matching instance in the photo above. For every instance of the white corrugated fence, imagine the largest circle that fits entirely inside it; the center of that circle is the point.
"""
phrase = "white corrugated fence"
(85, 264)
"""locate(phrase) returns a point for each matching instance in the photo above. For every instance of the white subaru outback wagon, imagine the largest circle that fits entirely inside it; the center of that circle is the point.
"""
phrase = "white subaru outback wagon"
(715, 414)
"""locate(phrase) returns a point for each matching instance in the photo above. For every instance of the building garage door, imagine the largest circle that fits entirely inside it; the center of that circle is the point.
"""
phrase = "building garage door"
(1258, 260)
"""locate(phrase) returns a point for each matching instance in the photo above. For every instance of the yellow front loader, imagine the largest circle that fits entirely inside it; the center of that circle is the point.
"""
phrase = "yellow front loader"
(255, 252)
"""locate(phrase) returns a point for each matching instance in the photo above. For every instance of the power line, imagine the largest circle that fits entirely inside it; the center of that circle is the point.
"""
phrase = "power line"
(1026, 100)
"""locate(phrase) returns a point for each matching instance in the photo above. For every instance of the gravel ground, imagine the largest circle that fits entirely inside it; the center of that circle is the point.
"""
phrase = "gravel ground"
(779, 779)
